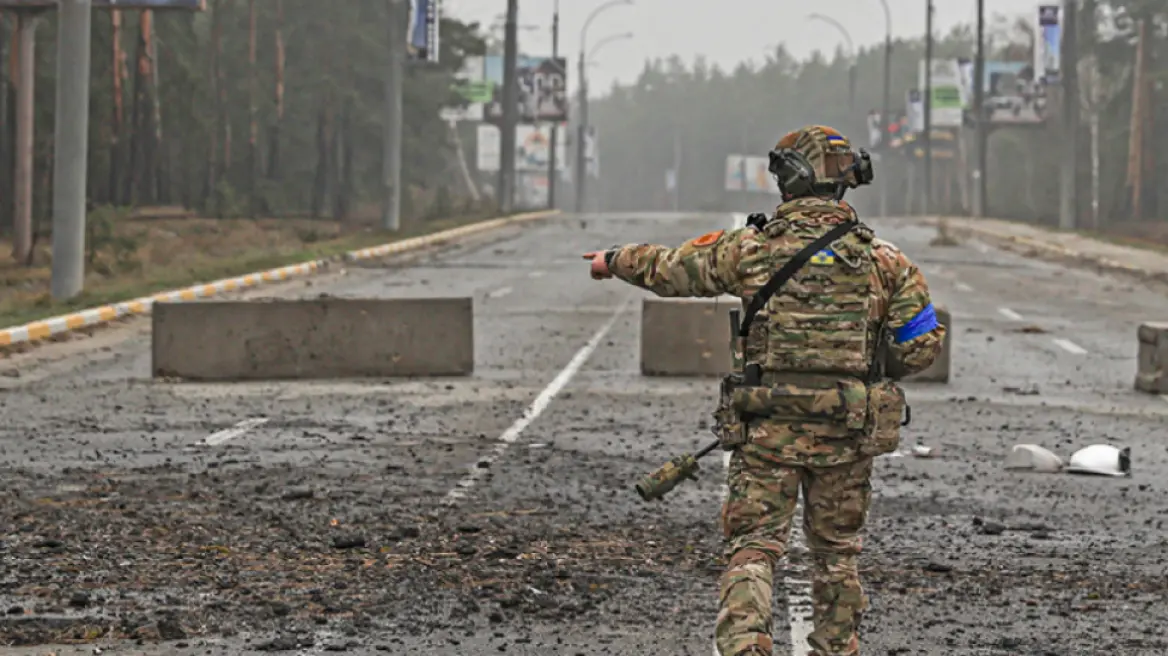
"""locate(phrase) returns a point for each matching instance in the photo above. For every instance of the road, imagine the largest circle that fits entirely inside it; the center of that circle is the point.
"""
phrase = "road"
(495, 513)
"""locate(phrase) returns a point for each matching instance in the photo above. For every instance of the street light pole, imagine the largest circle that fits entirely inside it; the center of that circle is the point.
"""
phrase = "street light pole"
(979, 171)
(886, 105)
(851, 55)
(551, 198)
(510, 111)
(928, 136)
(582, 130)
(392, 155)
(72, 141)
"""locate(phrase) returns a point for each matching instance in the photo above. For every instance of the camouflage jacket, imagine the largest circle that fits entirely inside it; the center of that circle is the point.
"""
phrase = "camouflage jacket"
(736, 263)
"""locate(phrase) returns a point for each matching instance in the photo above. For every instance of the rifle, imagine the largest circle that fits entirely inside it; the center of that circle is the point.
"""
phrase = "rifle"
(656, 485)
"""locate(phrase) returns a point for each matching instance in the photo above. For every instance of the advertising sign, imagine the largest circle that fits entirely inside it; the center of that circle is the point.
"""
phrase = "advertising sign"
(532, 148)
(1012, 95)
(947, 106)
(749, 173)
(422, 38)
(543, 89)
(1047, 56)
(471, 89)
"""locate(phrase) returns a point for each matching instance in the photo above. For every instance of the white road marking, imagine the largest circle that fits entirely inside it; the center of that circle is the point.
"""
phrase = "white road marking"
(500, 293)
(1165, 397)
(799, 605)
(215, 439)
(535, 409)
(535, 274)
(981, 248)
(964, 287)
(1010, 314)
(1070, 347)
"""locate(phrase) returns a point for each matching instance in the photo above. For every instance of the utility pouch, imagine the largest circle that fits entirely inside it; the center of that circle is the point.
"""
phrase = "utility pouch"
(886, 406)
(729, 427)
(846, 404)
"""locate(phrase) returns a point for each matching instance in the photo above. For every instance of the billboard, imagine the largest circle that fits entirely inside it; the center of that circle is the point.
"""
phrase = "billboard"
(947, 106)
(422, 38)
(1012, 94)
(1046, 53)
(749, 173)
(532, 148)
(471, 89)
(543, 89)
(189, 5)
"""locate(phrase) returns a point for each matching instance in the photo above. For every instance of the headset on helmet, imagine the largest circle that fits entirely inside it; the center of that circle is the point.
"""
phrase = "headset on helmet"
(796, 177)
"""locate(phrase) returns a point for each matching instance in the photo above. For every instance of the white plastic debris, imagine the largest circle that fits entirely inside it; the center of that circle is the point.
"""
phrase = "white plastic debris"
(1101, 460)
(1031, 457)
(922, 451)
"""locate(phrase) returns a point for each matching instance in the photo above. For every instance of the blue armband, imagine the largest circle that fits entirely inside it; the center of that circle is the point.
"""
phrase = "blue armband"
(922, 324)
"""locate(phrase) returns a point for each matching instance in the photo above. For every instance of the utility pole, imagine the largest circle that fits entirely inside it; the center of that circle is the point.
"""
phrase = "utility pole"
(71, 144)
(887, 100)
(1069, 77)
(391, 209)
(26, 79)
(982, 137)
(510, 108)
(581, 137)
(928, 204)
(551, 204)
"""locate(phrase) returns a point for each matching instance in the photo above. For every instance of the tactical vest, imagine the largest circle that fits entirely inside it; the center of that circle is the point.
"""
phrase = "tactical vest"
(818, 322)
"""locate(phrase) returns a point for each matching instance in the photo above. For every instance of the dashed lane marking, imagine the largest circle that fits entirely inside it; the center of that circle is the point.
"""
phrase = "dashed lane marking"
(500, 293)
(238, 430)
(1070, 347)
(964, 287)
(535, 274)
(536, 409)
(799, 605)
(1009, 314)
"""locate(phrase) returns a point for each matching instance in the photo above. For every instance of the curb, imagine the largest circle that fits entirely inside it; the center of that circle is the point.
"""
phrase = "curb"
(44, 328)
(1054, 251)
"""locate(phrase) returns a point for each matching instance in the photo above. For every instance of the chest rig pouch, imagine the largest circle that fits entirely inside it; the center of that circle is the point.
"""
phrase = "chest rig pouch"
(743, 396)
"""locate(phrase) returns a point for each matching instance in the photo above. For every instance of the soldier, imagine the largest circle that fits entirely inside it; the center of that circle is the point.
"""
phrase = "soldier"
(855, 316)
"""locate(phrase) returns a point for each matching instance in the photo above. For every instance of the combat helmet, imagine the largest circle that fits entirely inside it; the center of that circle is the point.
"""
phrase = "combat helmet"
(817, 160)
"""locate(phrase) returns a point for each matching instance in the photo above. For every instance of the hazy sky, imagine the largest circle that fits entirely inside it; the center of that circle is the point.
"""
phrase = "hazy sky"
(725, 31)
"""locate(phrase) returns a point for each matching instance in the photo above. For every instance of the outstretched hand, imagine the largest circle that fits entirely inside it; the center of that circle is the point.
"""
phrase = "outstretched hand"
(599, 269)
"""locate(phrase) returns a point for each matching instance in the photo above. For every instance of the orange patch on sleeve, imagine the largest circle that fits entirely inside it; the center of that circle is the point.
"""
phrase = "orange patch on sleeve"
(708, 238)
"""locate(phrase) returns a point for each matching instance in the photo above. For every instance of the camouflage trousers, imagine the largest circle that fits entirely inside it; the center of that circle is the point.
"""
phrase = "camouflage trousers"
(756, 519)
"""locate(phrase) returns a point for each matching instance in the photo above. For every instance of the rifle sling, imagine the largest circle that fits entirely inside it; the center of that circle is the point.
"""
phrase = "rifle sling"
(788, 269)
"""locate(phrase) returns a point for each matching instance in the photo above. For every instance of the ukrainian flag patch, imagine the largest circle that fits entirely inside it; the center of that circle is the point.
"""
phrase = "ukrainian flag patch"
(826, 256)
(836, 139)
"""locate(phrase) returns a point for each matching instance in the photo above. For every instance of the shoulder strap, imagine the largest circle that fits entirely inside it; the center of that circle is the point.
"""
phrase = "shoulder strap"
(788, 269)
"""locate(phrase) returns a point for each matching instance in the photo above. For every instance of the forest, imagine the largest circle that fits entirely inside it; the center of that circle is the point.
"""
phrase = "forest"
(271, 108)
(699, 114)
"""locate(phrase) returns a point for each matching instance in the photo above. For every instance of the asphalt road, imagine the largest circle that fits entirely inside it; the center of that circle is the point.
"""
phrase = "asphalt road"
(495, 514)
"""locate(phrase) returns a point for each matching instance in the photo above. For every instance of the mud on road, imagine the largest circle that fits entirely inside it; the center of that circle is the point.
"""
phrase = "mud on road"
(328, 523)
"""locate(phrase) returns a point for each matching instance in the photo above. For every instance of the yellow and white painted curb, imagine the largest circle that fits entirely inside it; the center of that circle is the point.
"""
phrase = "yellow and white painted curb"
(38, 330)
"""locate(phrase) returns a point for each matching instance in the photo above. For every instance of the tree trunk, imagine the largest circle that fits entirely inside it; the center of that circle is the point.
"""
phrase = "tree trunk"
(212, 183)
(320, 190)
(119, 110)
(281, 58)
(161, 183)
(253, 157)
(5, 131)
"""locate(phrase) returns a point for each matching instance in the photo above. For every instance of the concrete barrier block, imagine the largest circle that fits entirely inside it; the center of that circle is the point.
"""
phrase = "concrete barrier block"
(313, 339)
(684, 337)
(1152, 372)
(939, 371)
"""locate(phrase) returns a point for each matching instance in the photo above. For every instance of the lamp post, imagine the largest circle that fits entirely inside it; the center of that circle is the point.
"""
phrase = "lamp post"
(851, 55)
(582, 130)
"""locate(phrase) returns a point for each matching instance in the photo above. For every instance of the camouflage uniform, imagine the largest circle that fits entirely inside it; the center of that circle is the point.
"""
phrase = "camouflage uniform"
(815, 340)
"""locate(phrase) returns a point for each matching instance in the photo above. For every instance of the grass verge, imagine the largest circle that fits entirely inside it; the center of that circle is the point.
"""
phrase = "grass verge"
(19, 309)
